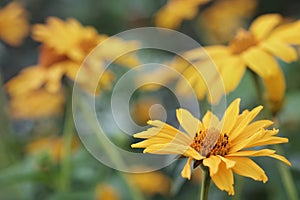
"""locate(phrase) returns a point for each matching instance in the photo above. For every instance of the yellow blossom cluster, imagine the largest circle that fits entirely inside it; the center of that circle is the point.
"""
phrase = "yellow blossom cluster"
(64, 46)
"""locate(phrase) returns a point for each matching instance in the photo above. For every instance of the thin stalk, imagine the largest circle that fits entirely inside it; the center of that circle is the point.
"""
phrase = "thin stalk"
(7, 143)
(114, 155)
(257, 86)
(284, 171)
(205, 183)
(67, 132)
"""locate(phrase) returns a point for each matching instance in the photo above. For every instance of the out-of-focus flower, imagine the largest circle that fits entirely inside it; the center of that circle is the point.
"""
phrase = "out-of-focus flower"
(151, 183)
(14, 26)
(175, 11)
(233, 13)
(36, 104)
(142, 110)
(52, 146)
(221, 145)
(65, 45)
(68, 38)
(256, 49)
(106, 192)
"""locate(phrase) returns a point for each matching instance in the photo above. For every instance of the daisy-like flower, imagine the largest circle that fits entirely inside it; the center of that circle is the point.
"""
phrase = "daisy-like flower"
(52, 146)
(14, 26)
(257, 49)
(65, 45)
(233, 13)
(36, 104)
(175, 11)
(221, 145)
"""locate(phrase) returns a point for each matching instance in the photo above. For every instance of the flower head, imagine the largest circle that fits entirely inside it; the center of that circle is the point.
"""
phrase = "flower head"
(67, 38)
(257, 49)
(175, 11)
(14, 26)
(221, 145)
(233, 13)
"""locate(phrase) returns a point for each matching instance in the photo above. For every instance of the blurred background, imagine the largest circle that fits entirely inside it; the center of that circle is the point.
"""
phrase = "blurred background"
(41, 156)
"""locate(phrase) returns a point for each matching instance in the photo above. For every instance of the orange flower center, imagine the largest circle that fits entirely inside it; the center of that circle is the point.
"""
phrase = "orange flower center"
(211, 142)
(242, 41)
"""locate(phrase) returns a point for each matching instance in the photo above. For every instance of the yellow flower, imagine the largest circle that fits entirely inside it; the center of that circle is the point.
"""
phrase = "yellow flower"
(257, 49)
(151, 183)
(36, 104)
(65, 45)
(67, 38)
(51, 145)
(175, 11)
(233, 13)
(221, 145)
(106, 192)
(14, 26)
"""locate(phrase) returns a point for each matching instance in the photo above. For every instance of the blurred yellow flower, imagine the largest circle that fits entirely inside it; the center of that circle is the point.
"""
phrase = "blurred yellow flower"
(257, 49)
(151, 183)
(36, 104)
(65, 45)
(51, 145)
(68, 38)
(221, 145)
(233, 13)
(175, 11)
(14, 26)
(106, 192)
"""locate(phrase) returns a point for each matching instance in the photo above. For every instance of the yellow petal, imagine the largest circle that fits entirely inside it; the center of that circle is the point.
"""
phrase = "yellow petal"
(251, 129)
(281, 158)
(262, 152)
(268, 141)
(280, 49)
(261, 62)
(263, 25)
(224, 179)
(238, 131)
(287, 32)
(157, 140)
(275, 86)
(229, 163)
(188, 122)
(212, 163)
(163, 130)
(186, 171)
(246, 167)
(248, 141)
(229, 65)
(230, 116)
(173, 149)
(217, 51)
(210, 120)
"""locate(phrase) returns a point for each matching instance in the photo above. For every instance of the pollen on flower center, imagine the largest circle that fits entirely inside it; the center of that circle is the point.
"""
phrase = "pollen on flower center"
(211, 142)
(242, 41)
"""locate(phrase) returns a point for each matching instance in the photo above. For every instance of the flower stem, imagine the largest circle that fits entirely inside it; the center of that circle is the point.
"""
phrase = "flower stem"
(115, 157)
(286, 177)
(284, 172)
(8, 145)
(68, 130)
(205, 183)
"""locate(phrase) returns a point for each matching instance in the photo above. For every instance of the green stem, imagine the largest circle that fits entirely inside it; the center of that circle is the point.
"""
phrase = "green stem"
(67, 132)
(104, 143)
(205, 183)
(7, 143)
(257, 86)
(286, 177)
(284, 171)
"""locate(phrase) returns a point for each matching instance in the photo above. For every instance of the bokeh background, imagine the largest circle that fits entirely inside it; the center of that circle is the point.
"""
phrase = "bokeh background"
(32, 150)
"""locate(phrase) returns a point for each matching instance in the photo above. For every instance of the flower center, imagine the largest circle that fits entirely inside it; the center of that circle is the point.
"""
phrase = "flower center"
(211, 142)
(242, 41)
